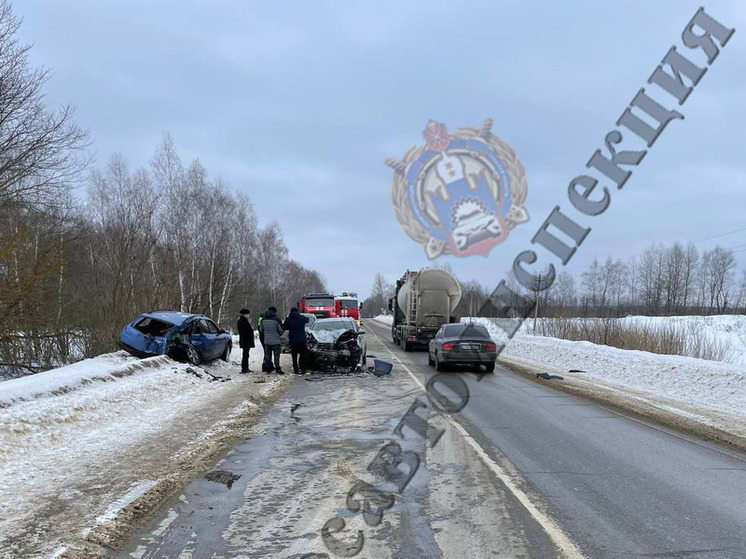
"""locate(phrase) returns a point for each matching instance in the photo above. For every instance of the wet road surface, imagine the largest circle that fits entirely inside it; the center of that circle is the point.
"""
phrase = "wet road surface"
(523, 471)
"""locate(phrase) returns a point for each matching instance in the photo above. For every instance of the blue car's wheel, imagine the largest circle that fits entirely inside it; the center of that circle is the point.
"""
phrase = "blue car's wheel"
(192, 355)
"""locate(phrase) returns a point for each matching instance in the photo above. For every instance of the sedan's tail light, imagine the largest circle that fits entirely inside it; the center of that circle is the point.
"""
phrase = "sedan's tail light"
(491, 347)
(447, 346)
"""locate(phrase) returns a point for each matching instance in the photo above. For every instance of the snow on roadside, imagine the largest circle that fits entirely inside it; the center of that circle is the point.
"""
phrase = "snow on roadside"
(76, 441)
(698, 382)
(727, 329)
(385, 318)
(137, 490)
(71, 377)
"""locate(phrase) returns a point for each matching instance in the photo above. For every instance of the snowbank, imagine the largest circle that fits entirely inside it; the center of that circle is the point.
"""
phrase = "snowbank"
(704, 384)
(79, 443)
(728, 329)
(104, 368)
(385, 318)
(726, 333)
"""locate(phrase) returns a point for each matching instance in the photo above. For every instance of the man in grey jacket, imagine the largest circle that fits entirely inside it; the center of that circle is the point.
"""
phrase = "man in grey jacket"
(271, 330)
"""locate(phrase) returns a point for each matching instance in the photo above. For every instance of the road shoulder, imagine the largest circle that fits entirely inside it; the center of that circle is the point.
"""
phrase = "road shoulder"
(725, 430)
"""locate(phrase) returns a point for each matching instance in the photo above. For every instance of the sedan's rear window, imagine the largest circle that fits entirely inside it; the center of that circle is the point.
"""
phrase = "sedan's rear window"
(153, 326)
(466, 330)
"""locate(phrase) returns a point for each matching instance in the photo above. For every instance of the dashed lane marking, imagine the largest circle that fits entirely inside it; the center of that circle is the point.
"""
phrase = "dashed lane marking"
(552, 529)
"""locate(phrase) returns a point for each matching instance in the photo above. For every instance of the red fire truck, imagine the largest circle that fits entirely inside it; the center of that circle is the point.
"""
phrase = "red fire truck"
(347, 305)
(320, 304)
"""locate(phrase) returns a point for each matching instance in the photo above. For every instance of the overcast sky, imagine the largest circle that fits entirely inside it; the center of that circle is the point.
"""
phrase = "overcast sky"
(299, 103)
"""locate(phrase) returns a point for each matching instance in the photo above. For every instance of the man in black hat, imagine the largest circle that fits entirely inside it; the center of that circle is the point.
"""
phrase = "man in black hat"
(245, 338)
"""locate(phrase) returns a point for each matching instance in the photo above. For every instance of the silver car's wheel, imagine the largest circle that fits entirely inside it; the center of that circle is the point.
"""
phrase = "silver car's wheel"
(438, 364)
(192, 355)
(430, 359)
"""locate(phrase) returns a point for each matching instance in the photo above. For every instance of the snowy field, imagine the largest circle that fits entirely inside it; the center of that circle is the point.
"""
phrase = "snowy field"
(78, 441)
(728, 329)
(728, 332)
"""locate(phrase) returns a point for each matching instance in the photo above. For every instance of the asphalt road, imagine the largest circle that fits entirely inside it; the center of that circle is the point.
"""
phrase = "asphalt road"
(522, 471)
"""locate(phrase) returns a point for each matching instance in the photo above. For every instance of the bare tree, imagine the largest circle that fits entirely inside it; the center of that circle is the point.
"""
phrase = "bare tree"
(689, 274)
(650, 282)
(379, 292)
(720, 264)
(40, 151)
(565, 292)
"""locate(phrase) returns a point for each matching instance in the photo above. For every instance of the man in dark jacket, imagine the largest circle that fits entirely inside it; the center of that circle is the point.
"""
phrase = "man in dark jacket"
(271, 329)
(295, 324)
(245, 338)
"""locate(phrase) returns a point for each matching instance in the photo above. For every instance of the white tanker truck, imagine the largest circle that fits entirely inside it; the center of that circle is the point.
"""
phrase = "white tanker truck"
(424, 301)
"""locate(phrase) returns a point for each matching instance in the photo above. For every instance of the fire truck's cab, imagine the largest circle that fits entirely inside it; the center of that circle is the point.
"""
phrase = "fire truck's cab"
(348, 305)
(319, 304)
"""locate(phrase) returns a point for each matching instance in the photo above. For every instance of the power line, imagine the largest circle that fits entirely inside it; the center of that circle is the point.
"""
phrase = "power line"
(721, 235)
(692, 242)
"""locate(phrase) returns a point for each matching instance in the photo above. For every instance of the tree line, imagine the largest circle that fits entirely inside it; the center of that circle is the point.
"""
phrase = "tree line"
(84, 250)
(661, 281)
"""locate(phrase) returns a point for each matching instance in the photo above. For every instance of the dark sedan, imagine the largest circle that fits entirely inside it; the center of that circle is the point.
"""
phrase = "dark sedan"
(462, 344)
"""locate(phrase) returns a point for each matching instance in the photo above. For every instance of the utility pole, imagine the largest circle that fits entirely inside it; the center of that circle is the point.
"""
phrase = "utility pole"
(536, 306)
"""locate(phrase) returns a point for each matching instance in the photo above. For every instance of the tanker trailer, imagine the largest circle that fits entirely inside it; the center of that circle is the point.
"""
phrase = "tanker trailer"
(424, 301)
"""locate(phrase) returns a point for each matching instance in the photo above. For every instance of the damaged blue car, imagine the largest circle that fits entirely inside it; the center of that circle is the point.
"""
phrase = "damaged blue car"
(189, 337)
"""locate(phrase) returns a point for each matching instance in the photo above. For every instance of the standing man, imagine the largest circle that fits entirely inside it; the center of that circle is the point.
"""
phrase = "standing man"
(245, 338)
(295, 324)
(271, 329)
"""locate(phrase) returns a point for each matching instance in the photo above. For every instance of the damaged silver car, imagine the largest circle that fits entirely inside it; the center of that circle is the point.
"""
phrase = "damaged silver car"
(336, 344)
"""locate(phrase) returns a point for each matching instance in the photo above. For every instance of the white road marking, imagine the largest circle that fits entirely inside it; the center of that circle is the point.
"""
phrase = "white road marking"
(556, 534)
(165, 523)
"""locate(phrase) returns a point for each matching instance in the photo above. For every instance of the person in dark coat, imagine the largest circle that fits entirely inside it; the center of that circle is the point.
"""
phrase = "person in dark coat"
(271, 328)
(295, 324)
(245, 338)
